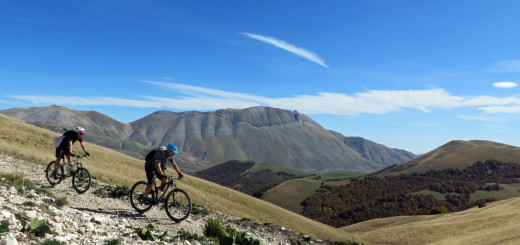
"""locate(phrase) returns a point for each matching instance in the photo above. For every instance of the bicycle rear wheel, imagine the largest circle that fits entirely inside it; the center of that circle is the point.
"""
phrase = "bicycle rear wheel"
(178, 205)
(140, 203)
(81, 180)
(54, 176)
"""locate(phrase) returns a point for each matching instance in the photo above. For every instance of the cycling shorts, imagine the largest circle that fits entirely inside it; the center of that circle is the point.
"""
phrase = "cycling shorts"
(151, 173)
(62, 151)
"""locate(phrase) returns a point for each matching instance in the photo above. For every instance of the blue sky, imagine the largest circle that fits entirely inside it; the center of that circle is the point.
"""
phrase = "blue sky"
(411, 75)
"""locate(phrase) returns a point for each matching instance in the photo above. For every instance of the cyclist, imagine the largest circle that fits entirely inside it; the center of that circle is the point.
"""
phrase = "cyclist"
(156, 165)
(65, 147)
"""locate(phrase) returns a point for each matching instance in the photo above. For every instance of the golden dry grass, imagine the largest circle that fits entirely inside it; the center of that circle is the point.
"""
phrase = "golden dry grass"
(290, 194)
(23, 141)
(498, 223)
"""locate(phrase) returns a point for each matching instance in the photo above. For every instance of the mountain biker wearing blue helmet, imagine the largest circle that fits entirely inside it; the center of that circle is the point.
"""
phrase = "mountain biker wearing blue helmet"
(156, 165)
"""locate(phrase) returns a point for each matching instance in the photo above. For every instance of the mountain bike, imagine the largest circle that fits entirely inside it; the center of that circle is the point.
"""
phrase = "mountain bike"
(177, 202)
(81, 179)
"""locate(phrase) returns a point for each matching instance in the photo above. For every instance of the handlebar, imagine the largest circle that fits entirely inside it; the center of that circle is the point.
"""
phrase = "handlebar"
(79, 156)
(172, 178)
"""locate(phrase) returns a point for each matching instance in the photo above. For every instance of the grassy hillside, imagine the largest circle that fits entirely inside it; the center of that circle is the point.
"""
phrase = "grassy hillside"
(457, 154)
(23, 141)
(291, 193)
(497, 223)
(252, 178)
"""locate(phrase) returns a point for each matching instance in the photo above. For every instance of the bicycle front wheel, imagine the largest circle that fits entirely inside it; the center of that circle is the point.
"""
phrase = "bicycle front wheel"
(139, 202)
(81, 180)
(178, 205)
(54, 176)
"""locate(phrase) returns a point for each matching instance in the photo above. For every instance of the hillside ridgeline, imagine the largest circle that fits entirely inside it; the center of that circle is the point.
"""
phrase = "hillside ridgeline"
(283, 138)
(455, 154)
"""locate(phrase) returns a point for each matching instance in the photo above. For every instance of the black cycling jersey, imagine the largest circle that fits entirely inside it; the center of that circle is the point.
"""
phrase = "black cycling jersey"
(63, 149)
(151, 172)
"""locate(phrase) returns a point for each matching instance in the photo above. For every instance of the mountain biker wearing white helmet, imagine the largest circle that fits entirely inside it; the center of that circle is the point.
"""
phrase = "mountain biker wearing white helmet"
(65, 147)
(156, 165)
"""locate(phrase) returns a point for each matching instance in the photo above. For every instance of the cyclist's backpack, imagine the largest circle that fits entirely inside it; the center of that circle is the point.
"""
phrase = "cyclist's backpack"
(58, 140)
(150, 154)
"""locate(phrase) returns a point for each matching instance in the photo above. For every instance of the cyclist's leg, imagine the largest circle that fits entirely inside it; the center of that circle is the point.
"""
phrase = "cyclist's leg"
(150, 177)
(163, 182)
(59, 156)
(67, 150)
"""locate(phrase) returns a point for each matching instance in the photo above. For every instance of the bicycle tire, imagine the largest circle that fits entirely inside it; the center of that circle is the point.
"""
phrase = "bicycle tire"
(136, 197)
(81, 180)
(54, 178)
(178, 205)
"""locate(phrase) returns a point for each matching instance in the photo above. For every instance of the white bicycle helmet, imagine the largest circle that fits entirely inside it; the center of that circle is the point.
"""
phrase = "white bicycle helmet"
(80, 130)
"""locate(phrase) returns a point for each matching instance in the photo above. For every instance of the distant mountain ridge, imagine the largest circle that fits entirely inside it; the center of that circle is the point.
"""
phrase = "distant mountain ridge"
(280, 137)
(375, 152)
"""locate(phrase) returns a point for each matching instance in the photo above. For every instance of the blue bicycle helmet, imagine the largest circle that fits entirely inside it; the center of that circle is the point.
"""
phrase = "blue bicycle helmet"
(173, 148)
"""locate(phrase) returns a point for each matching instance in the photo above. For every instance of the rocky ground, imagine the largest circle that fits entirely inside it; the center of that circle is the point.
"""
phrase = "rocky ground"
(96, 217)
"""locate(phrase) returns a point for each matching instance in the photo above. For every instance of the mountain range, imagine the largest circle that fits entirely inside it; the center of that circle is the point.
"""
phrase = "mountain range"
(284, 138)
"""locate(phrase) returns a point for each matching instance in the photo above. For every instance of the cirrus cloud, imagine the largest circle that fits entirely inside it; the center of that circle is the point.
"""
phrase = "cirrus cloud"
(289, 47)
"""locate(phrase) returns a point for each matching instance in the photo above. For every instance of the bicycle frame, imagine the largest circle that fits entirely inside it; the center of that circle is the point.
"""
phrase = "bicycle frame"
(75, 163)
(157, 189)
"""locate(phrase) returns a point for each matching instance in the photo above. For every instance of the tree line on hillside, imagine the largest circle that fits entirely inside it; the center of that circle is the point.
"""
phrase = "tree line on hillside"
(378, 197)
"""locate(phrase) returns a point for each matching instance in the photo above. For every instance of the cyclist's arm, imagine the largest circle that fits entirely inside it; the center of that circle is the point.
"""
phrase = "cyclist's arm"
(159, 169)
(83, 146)
(176, 167)
(70, 146)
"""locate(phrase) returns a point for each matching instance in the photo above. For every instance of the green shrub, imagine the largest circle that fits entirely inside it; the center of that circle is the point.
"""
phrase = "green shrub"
(121, 190)
(146, 233)
(4, 228)
(51, 242)
(112, 241)
(198, 209)
(61, 201)
(185, 235)
(233, 236)
(212, 228)
(29, 203)
(37, 226)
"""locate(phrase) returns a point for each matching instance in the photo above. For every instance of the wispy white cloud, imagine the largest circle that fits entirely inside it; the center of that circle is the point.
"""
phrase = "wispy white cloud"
(289, 47)
(93, 101)
(501, 109)
(505, 85)
(201, 91)
(478, 118)
(368, 102)
(506, 66)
